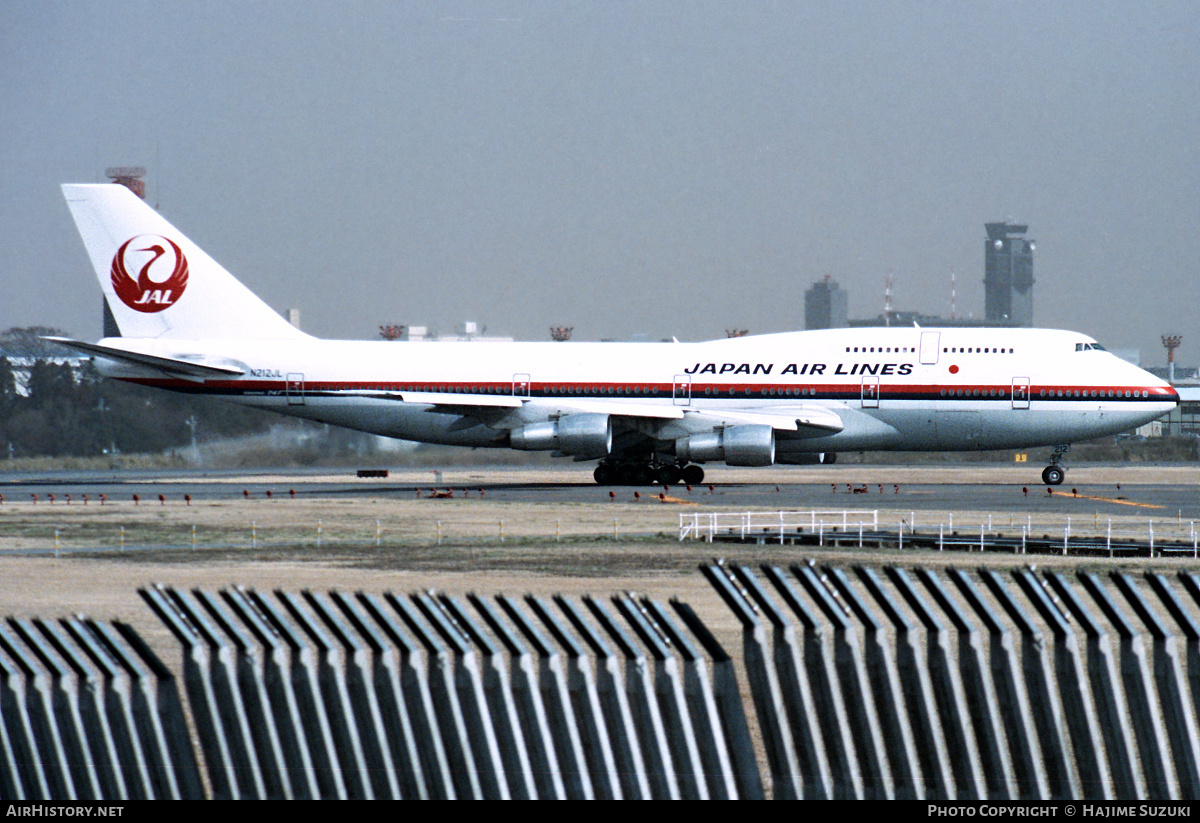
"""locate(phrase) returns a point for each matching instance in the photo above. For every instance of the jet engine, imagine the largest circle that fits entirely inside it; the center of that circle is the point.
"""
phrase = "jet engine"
(750, 445)
(579, 435)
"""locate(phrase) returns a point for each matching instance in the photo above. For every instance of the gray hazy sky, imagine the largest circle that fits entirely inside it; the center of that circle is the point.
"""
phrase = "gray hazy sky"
(622, 167)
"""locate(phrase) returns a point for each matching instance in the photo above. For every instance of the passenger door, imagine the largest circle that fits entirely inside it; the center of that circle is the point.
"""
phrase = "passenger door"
(682, 393)
(1020, 393)
(294, 388)
(870, 392)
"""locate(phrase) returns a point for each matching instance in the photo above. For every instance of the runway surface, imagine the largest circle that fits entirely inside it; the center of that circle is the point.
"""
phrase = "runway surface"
(1115, 490)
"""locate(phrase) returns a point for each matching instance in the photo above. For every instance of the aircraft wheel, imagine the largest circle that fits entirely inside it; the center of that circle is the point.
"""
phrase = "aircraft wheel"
(605, 475)
(640, 476)
(668, 475)
(692, 475)
(1053, 476)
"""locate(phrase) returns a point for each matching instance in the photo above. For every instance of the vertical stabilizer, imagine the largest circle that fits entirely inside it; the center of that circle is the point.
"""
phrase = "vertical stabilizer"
(157, 282)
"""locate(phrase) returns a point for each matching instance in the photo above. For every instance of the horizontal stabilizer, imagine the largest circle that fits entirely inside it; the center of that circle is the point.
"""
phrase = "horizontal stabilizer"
(192, 368)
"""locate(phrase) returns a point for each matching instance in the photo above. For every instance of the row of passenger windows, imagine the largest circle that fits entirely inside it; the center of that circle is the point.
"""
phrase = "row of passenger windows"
(882, 349)
(975, 350)
(1093, 393)
(767, 392)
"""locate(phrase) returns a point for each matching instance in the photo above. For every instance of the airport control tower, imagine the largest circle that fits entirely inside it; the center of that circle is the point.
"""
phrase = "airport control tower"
(1008, 275)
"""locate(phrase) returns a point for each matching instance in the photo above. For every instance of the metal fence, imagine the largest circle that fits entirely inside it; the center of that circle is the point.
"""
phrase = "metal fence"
(332, 695)
(88, 712)
(865, 683)
(1056, 534)
(952, 685)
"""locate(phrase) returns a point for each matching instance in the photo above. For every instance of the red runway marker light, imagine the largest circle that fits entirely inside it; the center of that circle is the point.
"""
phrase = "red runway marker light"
(187, 498)
(637, 496)
(662, 498)
(51, 497)
(269, 494)
(246, 493)
(711, 489)
(103, 498)
(136, 499)
(1025, 490)
(68, 497)
(292, 492)
(895, 488)
(481, 492)
(612, 496)
(1074, 492)
(1049, 490)
(689, 488)
(666, 488)
(34, 496)
(162, 500)
(85, 500)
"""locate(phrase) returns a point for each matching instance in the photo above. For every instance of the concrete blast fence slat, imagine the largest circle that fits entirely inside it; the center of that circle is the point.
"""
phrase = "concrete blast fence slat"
(895, 730)
(798, 692)
(1141, 701)
(1173, 692)
(585, 704)
(1053, 737)
(614, 702)
(999, 770)
(87, 695)
(556, 698)
(1104, 676)
(948, 691)
(1011, 699)
(1080, 711)
(528, 704)
(651, 737)
(917, 683)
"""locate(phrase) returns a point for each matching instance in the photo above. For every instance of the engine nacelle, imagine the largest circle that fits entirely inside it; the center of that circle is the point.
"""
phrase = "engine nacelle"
(579, 435)
(750, 445)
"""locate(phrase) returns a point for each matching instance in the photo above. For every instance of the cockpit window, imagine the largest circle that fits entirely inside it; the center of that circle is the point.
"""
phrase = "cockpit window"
(1089, 347)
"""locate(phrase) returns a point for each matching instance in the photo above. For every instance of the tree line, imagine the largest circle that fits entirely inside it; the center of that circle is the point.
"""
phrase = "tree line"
(70, 410)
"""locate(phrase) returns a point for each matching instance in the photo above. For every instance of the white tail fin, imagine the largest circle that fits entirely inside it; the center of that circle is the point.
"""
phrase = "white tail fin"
(157, 282)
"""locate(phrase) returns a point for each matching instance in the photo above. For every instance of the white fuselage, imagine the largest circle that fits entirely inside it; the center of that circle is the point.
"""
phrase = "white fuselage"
(892, 388)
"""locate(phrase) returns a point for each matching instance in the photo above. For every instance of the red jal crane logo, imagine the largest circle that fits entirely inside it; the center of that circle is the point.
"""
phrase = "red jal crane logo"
(142, 293)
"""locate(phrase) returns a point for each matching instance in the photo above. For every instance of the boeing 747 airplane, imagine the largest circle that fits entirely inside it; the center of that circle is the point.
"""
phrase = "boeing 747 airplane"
(646, 411)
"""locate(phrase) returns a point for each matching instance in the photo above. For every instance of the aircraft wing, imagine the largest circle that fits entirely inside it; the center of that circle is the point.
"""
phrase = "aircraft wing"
(175, 365)
(821, 419)
(459, 401)
(800, 418)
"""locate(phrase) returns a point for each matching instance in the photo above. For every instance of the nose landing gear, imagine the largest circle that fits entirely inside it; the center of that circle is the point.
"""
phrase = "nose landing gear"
(1055, 474)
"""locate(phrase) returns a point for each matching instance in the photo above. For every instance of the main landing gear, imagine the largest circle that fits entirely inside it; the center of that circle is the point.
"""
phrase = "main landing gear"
(1055, 474)
(627, 473)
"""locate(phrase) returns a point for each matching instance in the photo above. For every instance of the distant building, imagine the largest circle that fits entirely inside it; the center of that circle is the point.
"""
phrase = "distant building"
(468, 332)
(1008, 275)
(826, 306)
(908, 318)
